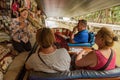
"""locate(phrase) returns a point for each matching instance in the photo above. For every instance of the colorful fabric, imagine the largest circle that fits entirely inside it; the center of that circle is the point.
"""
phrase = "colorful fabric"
(15, 6)
(19, 34)
(5, 58)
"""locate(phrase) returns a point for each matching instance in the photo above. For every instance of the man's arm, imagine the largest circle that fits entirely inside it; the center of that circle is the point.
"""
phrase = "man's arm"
(72, 35)
(71, 38)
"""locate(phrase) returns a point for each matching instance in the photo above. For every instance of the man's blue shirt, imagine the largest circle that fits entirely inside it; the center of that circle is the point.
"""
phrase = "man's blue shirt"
(81, 37)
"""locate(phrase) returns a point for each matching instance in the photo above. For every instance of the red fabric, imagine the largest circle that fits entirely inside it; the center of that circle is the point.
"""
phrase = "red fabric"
(62, 42)
(28, 3)
(15, 6)
(102, 61)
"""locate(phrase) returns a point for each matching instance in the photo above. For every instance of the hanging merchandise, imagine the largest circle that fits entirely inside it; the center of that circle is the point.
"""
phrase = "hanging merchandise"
(15, 7)
(27, 4)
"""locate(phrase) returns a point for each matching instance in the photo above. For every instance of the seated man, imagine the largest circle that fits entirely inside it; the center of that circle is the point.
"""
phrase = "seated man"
(82, 34)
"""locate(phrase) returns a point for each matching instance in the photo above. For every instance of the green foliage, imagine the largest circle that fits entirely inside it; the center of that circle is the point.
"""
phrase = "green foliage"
(110, 16)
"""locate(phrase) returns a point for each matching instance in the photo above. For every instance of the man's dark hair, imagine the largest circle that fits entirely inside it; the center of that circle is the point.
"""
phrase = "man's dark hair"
(83, 22)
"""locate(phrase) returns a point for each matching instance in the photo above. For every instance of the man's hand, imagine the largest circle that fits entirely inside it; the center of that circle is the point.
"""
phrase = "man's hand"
(72, 36)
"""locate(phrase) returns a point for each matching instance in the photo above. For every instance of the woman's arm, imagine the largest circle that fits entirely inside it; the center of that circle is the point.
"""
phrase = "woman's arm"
(27, 67)
(30, 63)
(87, 60)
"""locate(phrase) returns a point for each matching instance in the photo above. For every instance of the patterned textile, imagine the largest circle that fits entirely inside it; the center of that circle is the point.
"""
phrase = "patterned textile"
(5, 58)
(3, 51)
(5, 62)
(4, 37)
(18, 33)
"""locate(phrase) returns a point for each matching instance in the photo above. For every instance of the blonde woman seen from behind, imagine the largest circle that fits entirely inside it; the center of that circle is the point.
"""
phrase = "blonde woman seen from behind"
(96, 59)
(48, 58)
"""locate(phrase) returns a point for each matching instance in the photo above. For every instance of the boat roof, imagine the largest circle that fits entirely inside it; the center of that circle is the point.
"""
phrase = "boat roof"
(71, 8)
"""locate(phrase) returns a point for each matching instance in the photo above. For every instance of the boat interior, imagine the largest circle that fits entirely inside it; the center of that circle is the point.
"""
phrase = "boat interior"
(15, 69)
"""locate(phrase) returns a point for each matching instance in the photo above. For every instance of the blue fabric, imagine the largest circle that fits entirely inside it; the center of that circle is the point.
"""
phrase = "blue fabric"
(81, 37)
(90, 42)
(80, 44)
(91, 38)
(76, 74)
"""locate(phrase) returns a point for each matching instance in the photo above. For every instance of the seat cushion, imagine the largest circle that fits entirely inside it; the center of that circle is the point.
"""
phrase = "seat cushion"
(91, 38)
(77, 74)
(80, 44)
